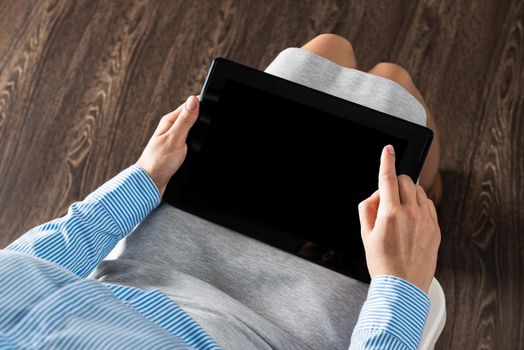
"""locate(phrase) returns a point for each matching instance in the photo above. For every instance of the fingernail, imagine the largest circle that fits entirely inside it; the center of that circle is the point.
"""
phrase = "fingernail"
(390, 149)
(191, 103)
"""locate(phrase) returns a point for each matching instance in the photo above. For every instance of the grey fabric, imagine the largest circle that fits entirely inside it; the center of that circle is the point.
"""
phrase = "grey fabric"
(246, 294)
(312, 70)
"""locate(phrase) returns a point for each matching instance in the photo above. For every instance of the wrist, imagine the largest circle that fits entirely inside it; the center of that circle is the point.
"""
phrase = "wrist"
(160, 184)
(419, 278)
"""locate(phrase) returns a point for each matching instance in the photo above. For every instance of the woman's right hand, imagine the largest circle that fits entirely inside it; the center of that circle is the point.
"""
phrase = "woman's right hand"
(399, 227)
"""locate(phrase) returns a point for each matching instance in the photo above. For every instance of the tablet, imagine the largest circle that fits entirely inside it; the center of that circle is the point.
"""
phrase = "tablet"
(287, 164)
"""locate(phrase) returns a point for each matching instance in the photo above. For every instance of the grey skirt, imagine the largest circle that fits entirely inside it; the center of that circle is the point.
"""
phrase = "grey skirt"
(244, 293)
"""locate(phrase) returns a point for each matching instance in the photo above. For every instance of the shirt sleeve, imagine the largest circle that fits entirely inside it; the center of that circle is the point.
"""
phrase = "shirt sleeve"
(392, 317)
(82, 238)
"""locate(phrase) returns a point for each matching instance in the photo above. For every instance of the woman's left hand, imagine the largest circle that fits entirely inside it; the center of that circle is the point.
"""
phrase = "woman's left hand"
(166, 150)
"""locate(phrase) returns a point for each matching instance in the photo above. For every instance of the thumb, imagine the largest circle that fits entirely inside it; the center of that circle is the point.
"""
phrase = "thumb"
(185, 120)
(367, 212)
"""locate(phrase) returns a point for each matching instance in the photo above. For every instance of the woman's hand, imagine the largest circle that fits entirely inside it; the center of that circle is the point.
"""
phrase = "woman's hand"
(167, 149)
(399, 227)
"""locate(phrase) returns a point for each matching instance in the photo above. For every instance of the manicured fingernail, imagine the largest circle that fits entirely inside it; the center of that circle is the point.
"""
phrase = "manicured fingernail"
(191, 103)
(390, 149)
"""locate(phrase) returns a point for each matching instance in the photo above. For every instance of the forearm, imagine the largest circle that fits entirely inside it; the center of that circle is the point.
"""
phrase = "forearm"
(91, 228)
(392, 317)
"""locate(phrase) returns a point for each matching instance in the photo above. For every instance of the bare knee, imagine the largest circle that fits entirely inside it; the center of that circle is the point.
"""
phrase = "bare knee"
(333, 47)
(393, 72)
(333, 40)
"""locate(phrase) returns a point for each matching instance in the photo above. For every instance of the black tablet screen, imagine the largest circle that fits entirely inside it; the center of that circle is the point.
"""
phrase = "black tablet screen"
(273, 161)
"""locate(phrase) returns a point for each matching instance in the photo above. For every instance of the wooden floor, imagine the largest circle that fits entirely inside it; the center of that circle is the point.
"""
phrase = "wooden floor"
(84, 83)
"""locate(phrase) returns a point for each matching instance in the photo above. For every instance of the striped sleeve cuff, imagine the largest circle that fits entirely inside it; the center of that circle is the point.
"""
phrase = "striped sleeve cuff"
(394, 308)
(128, 197)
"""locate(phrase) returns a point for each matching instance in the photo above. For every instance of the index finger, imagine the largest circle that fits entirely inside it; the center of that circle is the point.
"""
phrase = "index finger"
(387, 177)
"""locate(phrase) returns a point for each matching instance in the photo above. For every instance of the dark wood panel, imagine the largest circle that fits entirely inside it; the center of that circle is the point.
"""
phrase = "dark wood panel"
(493, 209)
(83, 85)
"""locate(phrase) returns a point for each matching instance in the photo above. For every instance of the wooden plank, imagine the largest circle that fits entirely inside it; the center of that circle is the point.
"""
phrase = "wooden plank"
(493, 209)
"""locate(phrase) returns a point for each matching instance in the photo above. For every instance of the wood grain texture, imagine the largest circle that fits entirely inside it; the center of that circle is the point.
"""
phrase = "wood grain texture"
(83, 85)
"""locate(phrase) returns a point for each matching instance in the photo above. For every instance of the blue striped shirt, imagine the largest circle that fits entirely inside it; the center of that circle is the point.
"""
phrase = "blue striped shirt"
(47, 303)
